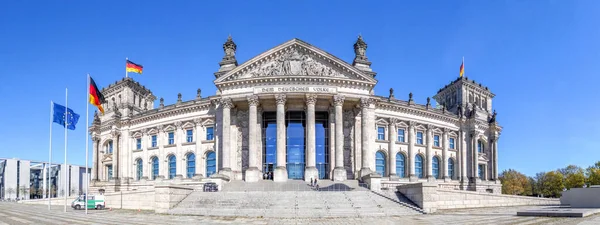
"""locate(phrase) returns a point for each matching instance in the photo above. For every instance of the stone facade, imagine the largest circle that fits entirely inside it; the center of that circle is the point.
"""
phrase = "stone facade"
(445, 144)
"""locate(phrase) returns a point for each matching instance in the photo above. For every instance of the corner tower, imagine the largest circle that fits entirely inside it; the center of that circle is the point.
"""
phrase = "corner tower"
(462, 95)
(126, 98)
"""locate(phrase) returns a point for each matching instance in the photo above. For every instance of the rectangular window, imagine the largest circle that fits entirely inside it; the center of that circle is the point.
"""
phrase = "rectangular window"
(171, 138)
(110, 175)
(401, 135)
(481, 171)
(154, 144)
(110, 147)
(210, 133)
(419, 138)
(189, 135)
(451, 143)
(138, 143)
(436, 140)
(380, 133)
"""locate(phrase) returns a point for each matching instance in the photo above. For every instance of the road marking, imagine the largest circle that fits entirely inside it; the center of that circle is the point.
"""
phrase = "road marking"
(19, 219)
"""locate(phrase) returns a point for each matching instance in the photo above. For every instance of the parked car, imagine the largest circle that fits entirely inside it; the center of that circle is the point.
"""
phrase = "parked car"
(93, 202)
(211, 187)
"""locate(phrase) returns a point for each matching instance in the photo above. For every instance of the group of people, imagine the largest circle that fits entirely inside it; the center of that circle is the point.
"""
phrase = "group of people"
(313, 183)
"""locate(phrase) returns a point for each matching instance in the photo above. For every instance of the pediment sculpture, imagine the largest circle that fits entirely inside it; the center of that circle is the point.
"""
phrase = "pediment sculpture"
(294, 63)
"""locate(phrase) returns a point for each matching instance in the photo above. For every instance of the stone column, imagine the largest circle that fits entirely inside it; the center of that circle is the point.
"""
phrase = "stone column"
(311, 155)
(392, 149)
(197, 138)
(495, 160)
(444, 163)
(463, 157)
(181, 166)
(364, 130)
(331, 142)
(475, 154)
(411, 151)
(95, 160)
(281, 171)
(339, 173)
(226, 105)
(252, 173)
(429, 153)
(115, 156)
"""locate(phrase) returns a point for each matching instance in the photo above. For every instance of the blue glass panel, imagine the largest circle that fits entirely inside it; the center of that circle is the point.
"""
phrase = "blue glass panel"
(481, 170)
(450, 168)
(210, 133)
(171, 138)
(420, 138)
(172, 166)
(419, 166)
(140, 167)
(400, 165)
(270, 154)
(110, 147)
(435, 167)
(401, 135)
(451, 143)
(380, 163)
(154, 167)
(321, 148)
(190, 135)
(295, 150)
(211, 164)
(479, 147)
(436, 140)
(380, 133)
(110, 174)
(138, 143)
(154, 143)
(191, 165)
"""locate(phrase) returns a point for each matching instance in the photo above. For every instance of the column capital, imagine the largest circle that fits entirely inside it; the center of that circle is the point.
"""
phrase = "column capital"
(311, 99)
(446, 131)
(412, 124)
(197, 121)
(226, 103)
(430, 127)
(253, 100)
(365, 102)
(178, 124)
(95, 137)
(393, 121)
(280, 99)
(338, 100)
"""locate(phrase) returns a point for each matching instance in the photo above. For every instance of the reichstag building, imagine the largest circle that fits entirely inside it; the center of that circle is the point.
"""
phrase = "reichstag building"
(296, 112)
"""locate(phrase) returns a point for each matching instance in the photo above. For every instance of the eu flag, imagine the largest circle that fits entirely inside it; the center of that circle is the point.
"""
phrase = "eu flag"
(60, 116)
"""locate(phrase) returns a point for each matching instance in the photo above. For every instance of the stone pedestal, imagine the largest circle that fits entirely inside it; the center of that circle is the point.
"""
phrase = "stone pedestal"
(253, 174)
(226, 172)
(339, 174)
(447, 179)
(413, 178)
(310, 172)
(365, 171)
(280, 174)
(394, 177)
(431, 179)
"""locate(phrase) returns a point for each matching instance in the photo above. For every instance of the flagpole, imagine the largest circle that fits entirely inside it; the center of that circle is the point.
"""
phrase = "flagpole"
(87, 139)
(50, 155)
(66, 124)
(126, 73)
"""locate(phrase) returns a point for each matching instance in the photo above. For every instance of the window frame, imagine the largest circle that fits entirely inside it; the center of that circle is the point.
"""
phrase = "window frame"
(210, 136)
(436, 143)
(170, 140)
(381, 136)
(451, 143)
(189, 135)
(419, 138)
(154, 141)
(403, 135)
(138, 143)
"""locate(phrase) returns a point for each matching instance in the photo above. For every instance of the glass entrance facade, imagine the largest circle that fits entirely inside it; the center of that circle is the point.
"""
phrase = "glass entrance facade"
(295, 123)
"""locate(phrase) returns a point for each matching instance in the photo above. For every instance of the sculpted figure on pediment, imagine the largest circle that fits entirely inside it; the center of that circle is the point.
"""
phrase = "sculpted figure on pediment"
(292, 63)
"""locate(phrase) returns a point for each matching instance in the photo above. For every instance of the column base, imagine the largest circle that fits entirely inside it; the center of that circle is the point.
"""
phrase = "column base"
(447, 179)
(310, 172)
(413, 178)
(226, 172)
(394, 177)
(431, 179)
(280, 174)
(365, 171)
(339, 174)
(253, 175)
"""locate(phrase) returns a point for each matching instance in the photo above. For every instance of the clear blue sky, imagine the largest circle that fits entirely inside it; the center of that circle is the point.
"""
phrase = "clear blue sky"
(540, 58)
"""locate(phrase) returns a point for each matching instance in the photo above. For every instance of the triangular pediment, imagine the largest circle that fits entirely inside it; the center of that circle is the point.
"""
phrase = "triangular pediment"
(295, 58)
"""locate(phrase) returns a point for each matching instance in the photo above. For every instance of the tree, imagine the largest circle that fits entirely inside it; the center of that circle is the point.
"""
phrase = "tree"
(552, 184)
(514, 183)
(593, 174)
(574, 176)
(10, 192)
(24, 190)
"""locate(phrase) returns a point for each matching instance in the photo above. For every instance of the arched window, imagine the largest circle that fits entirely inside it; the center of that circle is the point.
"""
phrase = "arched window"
(154, 167)
(435, 167)
(450, 168)
(191, 165)
(211, 164)
(400, 165)
(139, 169)
(480, 147)
(419, 166)
(172, 166)
(380, 163)
(109, 147)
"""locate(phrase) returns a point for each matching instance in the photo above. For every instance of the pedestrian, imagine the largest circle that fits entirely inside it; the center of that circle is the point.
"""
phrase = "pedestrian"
(315, 182)
(311, 181)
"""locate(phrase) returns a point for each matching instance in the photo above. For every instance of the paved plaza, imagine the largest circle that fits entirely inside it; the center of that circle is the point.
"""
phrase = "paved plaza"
(14, 213)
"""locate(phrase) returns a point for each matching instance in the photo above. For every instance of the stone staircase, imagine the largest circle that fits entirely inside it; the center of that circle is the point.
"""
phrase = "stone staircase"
(293, 200)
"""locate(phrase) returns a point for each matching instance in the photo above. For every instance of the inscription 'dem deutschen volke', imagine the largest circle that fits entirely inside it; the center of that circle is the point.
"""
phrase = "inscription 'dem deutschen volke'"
(295, 89)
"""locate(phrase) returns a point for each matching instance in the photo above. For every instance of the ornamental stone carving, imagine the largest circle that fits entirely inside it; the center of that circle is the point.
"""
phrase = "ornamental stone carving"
(229, 48)
(280, 99)
(394, 121)
(294, 62)
(178, 124)
(365, 102)
(197, 121)
(412, 123)
(226, 103)
(311, 99)
(253, 100)
(360, 49)
(338, 100)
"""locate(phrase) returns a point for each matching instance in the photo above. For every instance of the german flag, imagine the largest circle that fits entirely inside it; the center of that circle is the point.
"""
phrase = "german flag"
(462, 68)
(96, 98)
(132, 67)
